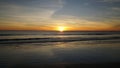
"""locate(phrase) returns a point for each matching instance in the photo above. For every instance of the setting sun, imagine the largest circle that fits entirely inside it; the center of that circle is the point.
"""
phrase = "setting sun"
(61, 28)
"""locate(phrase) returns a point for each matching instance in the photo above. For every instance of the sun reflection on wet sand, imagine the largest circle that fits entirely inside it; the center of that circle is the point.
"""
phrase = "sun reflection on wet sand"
(60, 52)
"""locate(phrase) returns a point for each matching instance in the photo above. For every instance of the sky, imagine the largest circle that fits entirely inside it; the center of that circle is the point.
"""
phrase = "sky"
(49, 14)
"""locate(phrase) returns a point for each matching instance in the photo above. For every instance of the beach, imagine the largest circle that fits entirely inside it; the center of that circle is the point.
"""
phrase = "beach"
(67, 49)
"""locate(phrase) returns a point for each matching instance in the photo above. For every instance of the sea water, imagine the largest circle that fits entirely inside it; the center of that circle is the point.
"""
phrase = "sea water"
(50, 47)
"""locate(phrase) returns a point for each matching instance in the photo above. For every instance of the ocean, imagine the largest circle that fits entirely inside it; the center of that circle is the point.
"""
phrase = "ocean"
(34, 48)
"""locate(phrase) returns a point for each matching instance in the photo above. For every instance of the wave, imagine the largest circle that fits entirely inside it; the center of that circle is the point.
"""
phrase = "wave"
(57, 33)
(43, 40)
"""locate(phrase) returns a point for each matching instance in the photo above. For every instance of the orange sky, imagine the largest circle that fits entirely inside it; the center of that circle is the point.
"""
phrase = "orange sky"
(76, 15)
(56, 28)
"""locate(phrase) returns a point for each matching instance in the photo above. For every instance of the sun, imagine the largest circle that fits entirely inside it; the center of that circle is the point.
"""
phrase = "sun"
(61, 28)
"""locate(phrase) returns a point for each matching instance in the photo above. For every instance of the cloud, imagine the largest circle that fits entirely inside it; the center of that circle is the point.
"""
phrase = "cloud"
(52, 13)
(110, 1)
(28, 11)
(37, 7)
(116, 9)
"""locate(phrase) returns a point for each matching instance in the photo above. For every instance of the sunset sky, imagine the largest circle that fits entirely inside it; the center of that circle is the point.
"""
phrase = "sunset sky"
(51, 14)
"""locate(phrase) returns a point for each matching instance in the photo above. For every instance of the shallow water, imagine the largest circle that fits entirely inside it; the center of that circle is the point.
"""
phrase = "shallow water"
(85, 51)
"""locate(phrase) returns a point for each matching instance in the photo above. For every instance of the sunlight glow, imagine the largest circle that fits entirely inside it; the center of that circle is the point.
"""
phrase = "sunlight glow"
(61, 28)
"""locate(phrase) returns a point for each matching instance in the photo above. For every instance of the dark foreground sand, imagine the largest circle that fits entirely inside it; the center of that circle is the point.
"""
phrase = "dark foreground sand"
(65, 65)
